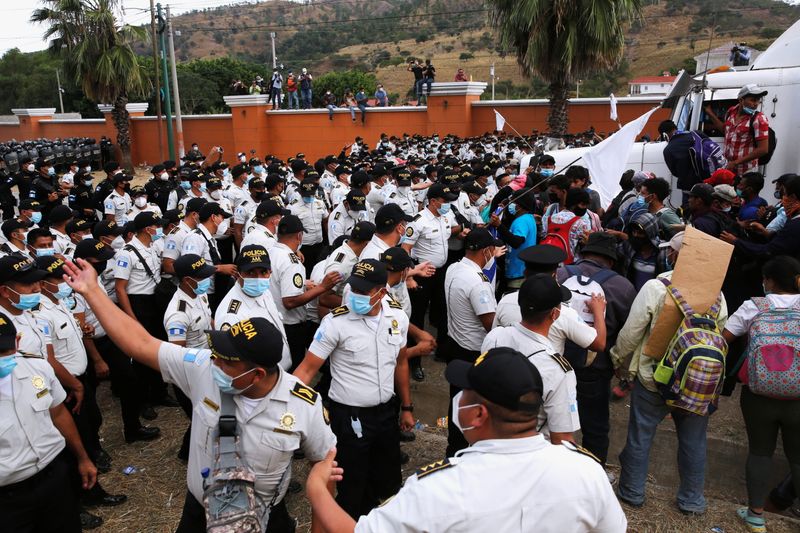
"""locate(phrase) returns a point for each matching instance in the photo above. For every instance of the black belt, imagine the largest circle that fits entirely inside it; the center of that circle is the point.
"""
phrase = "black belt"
(375, 409)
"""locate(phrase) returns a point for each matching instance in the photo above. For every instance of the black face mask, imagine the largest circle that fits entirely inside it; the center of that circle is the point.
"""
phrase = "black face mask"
(100, 266)
(637, 243)
(553, 197)
(259, 196)
(579, 211)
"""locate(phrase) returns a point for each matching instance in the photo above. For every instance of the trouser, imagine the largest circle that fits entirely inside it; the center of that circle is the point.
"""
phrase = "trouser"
(274, 98)
(145, 308)
(89, 419)
(428, 82)
(372, 461)
(763, 417)
(428, 294)
(418, 89)
(306, 98)
(352, 112)
(294, 101)
(363, 109)
(455, 439)
(330, 110)
(193, 518)
(46, 502)
(647, 411)
(124, 381)
(594, 393)
(312, 253)
(299, 337)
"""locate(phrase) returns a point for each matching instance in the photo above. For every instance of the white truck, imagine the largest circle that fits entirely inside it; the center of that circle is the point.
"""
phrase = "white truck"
(777, 71)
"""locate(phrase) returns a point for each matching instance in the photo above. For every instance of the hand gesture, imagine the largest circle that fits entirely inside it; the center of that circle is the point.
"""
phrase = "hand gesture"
(331, 279)
(324, 472)
(88, 473)
(80, 276)
(596, 304)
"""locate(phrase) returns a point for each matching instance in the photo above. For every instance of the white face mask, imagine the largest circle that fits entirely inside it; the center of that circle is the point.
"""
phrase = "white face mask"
(163, 176)
(140, 201)
(216, 194)
(457, 408)
(30, 168)
(88, 170)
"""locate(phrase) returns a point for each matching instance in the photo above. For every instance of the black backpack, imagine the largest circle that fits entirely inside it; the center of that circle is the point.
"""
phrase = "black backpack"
(773, 141)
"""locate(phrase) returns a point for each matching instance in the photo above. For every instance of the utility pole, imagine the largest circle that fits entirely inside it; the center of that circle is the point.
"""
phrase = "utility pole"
(578, 89)
(178, 121)
(167, 106)
(274, 57)
(154, 38)
(60, 91)
(491, 72)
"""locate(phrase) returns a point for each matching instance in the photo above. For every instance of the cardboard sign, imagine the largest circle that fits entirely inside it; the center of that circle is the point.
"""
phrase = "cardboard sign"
(698, 275)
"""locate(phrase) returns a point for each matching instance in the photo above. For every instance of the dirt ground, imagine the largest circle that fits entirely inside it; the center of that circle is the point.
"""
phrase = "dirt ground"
(156, 490)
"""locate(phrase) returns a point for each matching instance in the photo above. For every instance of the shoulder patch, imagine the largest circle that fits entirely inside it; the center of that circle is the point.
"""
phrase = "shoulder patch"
(562, 362)
(234, 306)
(409, 231)
(339, 311)
(337, 215)
(394, 304)
(307, 394)
(294, 259)
(182, 306)
(484, 277)
(417, 217)
(580, 449)
(433, 467)
(297, 280)
(339, 257)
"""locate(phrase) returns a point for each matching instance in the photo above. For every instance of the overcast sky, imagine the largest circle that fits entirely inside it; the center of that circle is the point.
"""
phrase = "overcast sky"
(18, 32)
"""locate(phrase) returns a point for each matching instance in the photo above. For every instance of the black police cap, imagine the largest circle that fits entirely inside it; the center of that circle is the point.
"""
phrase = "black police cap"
(542, 255)
(19, 269)
(253, 256)
(396, 259)
(541, 292)
(93, 248)
(290, 224)
(193, 266)
(254, 340)
(8, 334)
(367, 274)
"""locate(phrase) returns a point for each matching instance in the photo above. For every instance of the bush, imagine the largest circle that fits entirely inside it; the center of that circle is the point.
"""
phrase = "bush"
(465, 55)
(337, 82)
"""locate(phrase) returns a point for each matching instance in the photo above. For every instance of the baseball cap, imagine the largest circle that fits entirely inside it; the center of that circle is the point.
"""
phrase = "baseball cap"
(213, 183)
(105, 228)
(212, 208)
(52, 265)
(116, 178)
(362, 231)
(254, 339)
(28, 204)
(501, 375)
(270, 207)
(390, 215)
(359, 179)
(253, 256)
(21, 269)
(60, 213)
(396, 259)
(238, 170)
(78, 225)
(724, 192)
(440, 190)
(356, 200)
(403, 176)
(541, 292)
(367, 274)
(195, 204)
(480, 238)
(194, 266)
(308, 187)
(11, 225)
(256, 183)
(93, 248)
(8, 334)
(675, 242)
(471, 188)
(751, 89)
(542, 255)
(341, 169)
(173, 215)
(703, 191)
(290, 224)
(145, 219)
(137, 191)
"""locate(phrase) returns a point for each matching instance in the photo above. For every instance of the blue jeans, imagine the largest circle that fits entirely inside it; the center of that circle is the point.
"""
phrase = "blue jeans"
(330, 107)
(275, 98)
(352, 112)
(418, 89)
(427, 82)
(305, 96)
(294, 101)
(363, 109)
(647, 411)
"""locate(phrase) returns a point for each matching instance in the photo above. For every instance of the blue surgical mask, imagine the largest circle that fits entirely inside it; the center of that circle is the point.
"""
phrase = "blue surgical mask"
(640, 201)
(7, 364)
(27, 301)
(512, 209)
(258, 169)
(158, 234)
(359, 303)
(45, 252)
(88, 183)
(749, 110)
(203, 187)
(225, 382)
(308, 199)
(185, 185)
(51, 171)
(64, 290)
(777, 195)
(739, 193)
(546, 172)
(36, 217)
(444, 209)
(202, 286)
(255, 287)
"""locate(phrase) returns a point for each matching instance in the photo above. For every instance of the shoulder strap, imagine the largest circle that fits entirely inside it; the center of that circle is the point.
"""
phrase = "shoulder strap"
(714, 310)
(685, 308)
(215, 259)
(762, 304)
(572, 270)
(133, 249)
(602, 275)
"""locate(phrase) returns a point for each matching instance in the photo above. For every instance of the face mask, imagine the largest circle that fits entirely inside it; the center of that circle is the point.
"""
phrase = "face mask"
(637, 243)
(64, 290)
(140, 201)
(163, 176)
(546, 172)
(726, 209)
(225, 382)
(202, 286)
(308, 199)
(359, 303)
(258, 169)
(7, 364)
(36, 217)
(579, 211)
(553, 197)
(444, 209)
(203, 187)
(777, 195)
(404, 190)
(27, 301)
(158, 234)
(739, 193)
(30, 168)
(45, 252)
(243, 159)
(357, 215)
(457, 408)
(255, 287)
(512, 209)
(226, 173)
(100, 266)
(51, 171)
(88, 183)
(185, 185)
(749, 110)
(87, 169)
(640, 201)
(259, 196)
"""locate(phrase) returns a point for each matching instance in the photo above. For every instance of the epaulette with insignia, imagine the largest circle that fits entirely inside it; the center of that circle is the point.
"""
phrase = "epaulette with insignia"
(307, 394)
(562, 361)
(433, 467)
(394, 304)
(182, 306)
(416, 217)
(234, 306)
(484, 277)
(571, 446)
(339, 257)
(339, 311)
(293, 258)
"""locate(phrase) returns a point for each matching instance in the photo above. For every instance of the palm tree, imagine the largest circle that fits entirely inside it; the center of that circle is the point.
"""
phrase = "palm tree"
(98, 56)
(562, 41)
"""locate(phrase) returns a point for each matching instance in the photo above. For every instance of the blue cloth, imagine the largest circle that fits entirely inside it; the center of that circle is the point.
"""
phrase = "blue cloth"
(523, 226)
(647, 411)
(749, 210)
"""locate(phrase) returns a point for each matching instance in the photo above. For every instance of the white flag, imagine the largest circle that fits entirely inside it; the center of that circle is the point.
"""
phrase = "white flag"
(499, 121)
(607, 160)
(613, 101)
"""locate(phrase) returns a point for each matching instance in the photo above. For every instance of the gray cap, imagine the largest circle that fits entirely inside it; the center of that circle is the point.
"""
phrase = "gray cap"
(751, 89)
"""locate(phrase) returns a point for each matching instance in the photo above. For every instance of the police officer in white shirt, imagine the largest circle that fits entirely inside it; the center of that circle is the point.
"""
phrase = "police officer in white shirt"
(345, 215)
(60, 216)
(197, 188)
(343, 258)
(173, 244)
(250, 296)
(37, 487)
(509, 479)
(15, 232)
(276, 413)
(340, 187)
(403, 196)
(288, 286)
(540, 300)
(236, 192)
(224, 234)
(118, 203)
(267, 217)
(188, 314)
(381, 188)
(140, 204)
(312, 213)
(471, 305)
(247, 208)
(365, 341)
(77, 230)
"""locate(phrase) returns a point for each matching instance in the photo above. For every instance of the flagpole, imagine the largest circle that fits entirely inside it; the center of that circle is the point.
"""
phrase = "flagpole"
(531, 189)
(505, 122)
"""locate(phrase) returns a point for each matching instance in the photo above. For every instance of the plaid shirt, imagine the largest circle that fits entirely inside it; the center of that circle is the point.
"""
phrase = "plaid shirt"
(739, 141)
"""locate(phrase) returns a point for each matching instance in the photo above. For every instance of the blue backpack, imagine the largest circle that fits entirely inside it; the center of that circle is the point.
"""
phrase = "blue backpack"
(706, 156)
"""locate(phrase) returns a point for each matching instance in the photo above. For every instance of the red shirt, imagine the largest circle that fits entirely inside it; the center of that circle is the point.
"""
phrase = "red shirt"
(739, 141)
